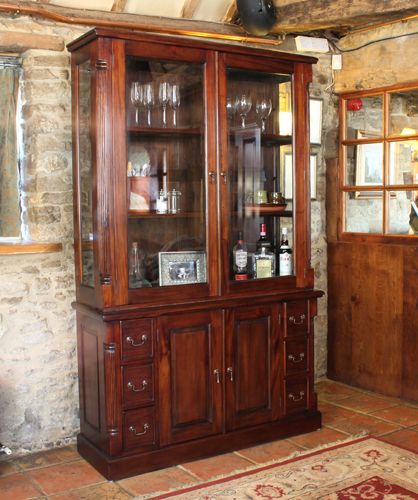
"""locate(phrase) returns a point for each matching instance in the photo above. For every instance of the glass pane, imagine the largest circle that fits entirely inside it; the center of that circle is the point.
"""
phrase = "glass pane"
(364, 117)
(364, 164)
(363, 212)
(403, 212)
(166, 173)
(403, 112)
(260, 174)
(403, 162)
(85, 172)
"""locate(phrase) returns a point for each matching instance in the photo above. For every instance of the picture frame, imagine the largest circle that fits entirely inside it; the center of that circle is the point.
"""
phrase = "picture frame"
(368, 157)
(288, 175)
(182, 268)
(315, 120)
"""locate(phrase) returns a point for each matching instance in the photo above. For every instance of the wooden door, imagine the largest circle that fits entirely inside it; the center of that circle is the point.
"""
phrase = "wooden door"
(190, 381)
(252, 371)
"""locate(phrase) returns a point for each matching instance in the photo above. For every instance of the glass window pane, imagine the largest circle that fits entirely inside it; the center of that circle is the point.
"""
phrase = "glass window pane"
(85, 172)
(260, 165)
(403, 162)
(364, 164)
(403, 112)
(166, 173)
(403, 212)
(363, 212)
(364, 117)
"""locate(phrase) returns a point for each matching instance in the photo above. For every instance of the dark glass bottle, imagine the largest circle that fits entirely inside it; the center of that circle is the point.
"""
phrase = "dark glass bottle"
(240, 258)
(285, 255)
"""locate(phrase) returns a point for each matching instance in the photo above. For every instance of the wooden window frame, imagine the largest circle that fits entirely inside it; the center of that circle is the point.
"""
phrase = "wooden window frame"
(385, 139)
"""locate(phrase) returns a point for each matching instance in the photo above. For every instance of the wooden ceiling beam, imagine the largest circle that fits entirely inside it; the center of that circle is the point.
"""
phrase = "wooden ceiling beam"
(231, 12)
(189, 8)
(118, 5)
(311, 15)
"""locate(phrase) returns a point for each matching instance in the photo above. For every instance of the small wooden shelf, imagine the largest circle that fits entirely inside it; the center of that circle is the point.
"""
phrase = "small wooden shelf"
(26, 247)
(172, 132)
(276, 140)
(268, 209)
(152, 214)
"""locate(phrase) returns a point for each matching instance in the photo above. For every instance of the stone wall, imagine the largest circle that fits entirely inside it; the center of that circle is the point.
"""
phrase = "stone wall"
(38, 391)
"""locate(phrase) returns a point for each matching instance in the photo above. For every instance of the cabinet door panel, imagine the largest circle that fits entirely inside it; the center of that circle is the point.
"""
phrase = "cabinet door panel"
(252, 369)
(190, 383)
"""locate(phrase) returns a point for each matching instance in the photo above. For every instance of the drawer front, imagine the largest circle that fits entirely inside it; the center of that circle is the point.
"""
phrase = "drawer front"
(138, 385)
(137, 339)
(296, 395)
(139, 429)
(296, 355)
(296, 317)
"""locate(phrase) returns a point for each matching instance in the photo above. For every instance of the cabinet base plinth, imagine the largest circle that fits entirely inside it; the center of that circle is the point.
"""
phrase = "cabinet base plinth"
(119, 467)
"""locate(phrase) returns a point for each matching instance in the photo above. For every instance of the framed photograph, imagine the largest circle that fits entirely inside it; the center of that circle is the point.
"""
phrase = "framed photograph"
(288, 175)
(315, 120)
(182, 268)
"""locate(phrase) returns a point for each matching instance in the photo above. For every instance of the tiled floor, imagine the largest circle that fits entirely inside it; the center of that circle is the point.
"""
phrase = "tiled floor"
(62, 474)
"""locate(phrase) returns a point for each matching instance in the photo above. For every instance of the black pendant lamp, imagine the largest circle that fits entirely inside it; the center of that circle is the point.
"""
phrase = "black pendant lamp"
(257, 16)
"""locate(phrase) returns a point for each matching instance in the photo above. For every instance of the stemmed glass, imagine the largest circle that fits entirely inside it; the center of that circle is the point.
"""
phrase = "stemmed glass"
(175, 101)
(148, 100)
(243, 107)
(231, 106)
(263, 109)
(164, 95)
(136, 98)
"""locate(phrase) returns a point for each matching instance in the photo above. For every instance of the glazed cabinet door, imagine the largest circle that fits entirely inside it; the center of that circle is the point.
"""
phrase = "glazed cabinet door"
(169, 173)
(252, 373)
(190, 376)
(263, 117)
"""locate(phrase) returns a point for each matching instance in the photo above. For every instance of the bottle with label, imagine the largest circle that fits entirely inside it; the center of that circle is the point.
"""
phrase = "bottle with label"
(264, 260)
(240, 257)
(285, 255)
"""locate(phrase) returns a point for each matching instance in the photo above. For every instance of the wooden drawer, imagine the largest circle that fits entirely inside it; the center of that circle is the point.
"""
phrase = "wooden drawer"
(296, 395)
(296, 317)
(137, 339)
(138, 385)
(296, 355)
(139, 429)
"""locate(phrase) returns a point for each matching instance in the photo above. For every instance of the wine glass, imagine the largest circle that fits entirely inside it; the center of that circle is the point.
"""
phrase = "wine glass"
(231, 106)
(243, 107)
(164, 94)
(148, 100)
(263, 109)
(175, 101)
(136, 98)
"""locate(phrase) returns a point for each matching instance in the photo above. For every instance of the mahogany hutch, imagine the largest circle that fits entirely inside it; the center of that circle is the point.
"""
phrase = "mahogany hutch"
(178, 145)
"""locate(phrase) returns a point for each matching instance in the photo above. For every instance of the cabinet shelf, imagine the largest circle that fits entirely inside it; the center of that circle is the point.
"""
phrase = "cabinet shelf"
(276, 140)
(166, 131)
(268, 209)
(152, 214)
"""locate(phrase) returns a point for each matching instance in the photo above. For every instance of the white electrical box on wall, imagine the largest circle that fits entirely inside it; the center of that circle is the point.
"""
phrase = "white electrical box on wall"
(311, 44)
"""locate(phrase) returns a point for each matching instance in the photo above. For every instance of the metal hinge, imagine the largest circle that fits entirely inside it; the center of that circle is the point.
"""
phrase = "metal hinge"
(101, 64)
(105, 279)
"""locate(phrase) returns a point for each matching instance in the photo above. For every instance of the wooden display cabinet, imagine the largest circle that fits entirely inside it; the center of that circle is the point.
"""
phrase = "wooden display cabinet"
(177, 358)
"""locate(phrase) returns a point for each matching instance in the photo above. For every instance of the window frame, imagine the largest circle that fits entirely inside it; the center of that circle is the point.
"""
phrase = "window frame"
(386, 188)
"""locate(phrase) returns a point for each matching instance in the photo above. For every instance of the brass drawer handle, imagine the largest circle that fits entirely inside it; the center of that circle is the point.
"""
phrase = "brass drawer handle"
(131, 341)
(146, 428)
(297, 398)
(293, 359)
(230, 372)
(298, 321)
(217, 374)
(132, 387)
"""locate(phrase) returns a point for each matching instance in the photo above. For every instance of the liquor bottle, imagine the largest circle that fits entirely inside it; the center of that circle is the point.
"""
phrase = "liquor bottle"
(240, 257)
(264, 260)
(285, 255)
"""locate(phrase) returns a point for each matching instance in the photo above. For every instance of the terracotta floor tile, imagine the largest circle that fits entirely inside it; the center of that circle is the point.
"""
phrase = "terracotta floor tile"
(160, 480)
(8, 467)
(368, 403)
(360, 423)
(18, 487)
(331, 391)
(270, 451)
(318, 438)
(331, 413)
(104, 491)
(215, 466)
(48, 457)
(63, 477)
(403, 415)
(405, 437)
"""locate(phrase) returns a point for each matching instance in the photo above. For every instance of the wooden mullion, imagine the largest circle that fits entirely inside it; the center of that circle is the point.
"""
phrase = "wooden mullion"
(386, 157)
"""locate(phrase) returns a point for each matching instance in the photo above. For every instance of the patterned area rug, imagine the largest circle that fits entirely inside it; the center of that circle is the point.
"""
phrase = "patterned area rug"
(365, 468)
